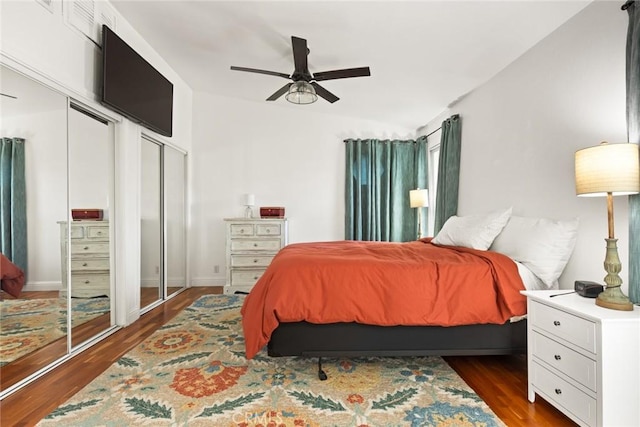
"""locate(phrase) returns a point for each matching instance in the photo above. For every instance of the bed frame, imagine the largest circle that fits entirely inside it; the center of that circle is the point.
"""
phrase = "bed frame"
(358, 340)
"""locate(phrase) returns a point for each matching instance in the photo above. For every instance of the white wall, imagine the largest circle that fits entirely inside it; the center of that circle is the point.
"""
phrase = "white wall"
(290, 158)
(521, 129)
(46, 185)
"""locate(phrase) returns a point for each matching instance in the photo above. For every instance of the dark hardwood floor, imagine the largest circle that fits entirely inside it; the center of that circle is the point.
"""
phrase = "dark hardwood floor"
(500, 381)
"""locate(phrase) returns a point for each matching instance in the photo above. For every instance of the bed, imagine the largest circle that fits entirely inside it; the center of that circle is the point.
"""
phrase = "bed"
(346, 298)
(11, 277)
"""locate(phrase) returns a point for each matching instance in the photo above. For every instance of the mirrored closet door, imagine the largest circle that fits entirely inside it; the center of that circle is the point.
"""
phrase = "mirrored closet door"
(175, 219)
(52, 159)
(91, 172)
(151, 251)
(163, 257)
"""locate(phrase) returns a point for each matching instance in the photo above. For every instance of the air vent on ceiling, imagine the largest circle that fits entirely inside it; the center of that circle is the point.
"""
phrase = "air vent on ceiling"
(87, 16)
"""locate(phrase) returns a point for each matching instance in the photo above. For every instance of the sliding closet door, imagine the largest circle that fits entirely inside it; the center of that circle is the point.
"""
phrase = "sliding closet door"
(33, 322)
(174, 180)
(151, 266)
(90, 254)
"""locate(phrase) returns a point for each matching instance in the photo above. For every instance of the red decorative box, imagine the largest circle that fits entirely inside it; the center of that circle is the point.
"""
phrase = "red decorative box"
(84, 214)
(272, 212)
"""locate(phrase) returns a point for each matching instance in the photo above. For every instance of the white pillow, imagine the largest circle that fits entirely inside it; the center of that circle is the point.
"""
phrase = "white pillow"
(544, 246)
(472, 231)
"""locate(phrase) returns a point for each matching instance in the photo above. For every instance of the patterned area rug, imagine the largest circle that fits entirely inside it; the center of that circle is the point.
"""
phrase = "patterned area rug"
(192, 372)
(30, 324)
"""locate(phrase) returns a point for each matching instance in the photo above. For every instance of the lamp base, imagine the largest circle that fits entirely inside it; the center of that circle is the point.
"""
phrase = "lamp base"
(614, 304)
(612, 297)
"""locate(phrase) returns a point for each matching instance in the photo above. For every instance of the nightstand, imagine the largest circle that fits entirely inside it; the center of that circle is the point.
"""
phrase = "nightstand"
(251, 245)
(584, 359)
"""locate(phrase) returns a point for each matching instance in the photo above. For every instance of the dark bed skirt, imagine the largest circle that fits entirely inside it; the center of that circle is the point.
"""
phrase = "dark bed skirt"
(354, 340)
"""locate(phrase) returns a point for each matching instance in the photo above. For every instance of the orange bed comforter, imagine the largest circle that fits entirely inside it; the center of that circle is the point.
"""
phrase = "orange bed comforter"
(380, 283)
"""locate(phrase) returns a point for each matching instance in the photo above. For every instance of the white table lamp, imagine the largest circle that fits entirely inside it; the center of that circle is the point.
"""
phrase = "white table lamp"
(419, 198)
(609, 170)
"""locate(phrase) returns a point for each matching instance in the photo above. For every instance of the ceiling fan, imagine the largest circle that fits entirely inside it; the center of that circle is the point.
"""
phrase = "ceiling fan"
(305, 87)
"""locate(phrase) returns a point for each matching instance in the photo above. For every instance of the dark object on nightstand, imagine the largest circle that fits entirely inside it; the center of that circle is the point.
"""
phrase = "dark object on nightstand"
(588, 289)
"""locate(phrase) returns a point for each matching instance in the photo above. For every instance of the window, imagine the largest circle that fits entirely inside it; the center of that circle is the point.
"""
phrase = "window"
(433, 158)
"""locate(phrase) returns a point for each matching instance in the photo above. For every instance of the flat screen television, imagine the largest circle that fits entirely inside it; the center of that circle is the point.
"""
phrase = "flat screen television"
(133, 88)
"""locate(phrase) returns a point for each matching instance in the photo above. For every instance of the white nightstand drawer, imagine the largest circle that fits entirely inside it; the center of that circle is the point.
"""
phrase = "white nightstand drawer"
(251, 261)
(77, 232)
(255, 245)
(245, 277)
(561, 393)
(241, 229)
(571, 363)
(268, 230)
(566, 326)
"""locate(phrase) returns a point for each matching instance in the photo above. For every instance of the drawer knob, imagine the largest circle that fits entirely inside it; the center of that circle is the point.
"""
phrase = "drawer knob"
(256, 278)
(84, 264)
(255, 261)
(556, 322)
(255, 245)
(86, 282)
(86, 248)
(557, 357)
(558, 391)
(242, 230)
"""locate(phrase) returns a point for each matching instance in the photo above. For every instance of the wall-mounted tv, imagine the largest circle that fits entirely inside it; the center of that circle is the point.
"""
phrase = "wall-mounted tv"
(133, 88)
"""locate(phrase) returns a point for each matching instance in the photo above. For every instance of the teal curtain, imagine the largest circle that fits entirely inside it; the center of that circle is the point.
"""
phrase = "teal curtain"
(13, 202)
(448, 171)
(633, 128)
(378, 177)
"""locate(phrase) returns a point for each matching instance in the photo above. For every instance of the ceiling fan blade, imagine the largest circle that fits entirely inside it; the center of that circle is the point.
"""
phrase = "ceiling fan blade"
(324, 93)
(279, 92)
(300, 52)
(342, 74)
(255, 70)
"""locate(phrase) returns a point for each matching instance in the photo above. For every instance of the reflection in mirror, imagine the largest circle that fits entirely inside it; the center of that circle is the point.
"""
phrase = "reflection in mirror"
(33, 322)
(90, 187)
(151, 225)
(175, 212)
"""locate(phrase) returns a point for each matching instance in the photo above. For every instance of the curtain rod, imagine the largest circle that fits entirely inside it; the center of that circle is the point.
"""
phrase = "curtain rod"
(627, 4)
(428, 135)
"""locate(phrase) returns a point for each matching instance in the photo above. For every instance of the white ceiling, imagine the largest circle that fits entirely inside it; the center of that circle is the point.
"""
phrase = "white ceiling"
(423, 54)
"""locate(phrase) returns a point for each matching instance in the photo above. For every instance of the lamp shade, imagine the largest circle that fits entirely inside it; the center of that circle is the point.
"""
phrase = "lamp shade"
(608, 168)
(301, 92)
(249, 200)
(419, 198)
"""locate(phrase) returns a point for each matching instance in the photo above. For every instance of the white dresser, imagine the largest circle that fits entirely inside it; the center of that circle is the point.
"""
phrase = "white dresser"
(251, 244)
(584, 359)
(90, 263)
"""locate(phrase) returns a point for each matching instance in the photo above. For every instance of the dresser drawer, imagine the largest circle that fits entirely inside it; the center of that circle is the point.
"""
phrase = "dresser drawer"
(77, 232)
(561, 393)
(89, 248)
(238, 230)
(93, 281)
(251, 261)
(90, 264)
(268, 230)
(255, 245)
(98, 233)
(573, 364)
(566, 326)
(245, 277)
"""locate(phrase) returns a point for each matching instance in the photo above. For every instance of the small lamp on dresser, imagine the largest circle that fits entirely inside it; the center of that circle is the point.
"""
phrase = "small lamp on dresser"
(249, 203)
(609, 170)
(419, 198)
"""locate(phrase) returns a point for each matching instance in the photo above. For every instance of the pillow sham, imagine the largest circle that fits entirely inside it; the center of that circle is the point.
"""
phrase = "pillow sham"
(472, 231)
(544, 246)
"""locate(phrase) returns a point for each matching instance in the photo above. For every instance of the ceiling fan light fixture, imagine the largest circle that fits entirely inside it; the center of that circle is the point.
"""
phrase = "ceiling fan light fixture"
(301, 92)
